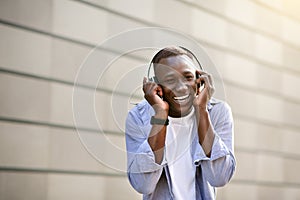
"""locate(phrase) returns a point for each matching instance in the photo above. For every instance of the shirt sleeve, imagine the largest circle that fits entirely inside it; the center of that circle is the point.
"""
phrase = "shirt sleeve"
(219, 168)
(143, 172)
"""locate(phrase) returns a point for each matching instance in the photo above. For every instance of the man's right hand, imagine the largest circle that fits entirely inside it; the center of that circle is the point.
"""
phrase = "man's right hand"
(153, 94)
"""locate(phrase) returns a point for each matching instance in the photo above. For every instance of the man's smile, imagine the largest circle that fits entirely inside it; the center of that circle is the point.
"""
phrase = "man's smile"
(182, 99)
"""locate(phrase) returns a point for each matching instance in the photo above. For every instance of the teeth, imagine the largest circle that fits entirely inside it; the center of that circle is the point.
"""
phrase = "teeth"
(181, 98)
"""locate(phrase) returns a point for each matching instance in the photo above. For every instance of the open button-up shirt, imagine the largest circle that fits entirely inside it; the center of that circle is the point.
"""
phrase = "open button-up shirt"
(153, 180)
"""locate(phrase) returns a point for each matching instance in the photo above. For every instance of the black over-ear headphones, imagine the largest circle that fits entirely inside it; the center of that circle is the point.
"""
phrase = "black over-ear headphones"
(151, 75)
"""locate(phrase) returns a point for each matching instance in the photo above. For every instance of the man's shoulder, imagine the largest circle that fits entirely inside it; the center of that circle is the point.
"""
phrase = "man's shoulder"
(141, 112)
(140, 107)
(215, 103)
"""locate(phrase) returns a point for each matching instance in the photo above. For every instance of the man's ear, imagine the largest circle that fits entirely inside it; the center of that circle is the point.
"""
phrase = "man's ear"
(160, 92)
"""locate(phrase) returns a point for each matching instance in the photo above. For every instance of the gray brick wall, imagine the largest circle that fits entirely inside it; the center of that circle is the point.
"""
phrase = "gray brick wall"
(254, 44)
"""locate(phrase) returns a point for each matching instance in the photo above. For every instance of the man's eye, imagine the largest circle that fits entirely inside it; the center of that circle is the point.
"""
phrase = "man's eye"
(189, 78)
(170, 81)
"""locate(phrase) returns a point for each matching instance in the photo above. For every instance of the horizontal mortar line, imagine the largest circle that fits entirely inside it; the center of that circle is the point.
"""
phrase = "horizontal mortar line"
(141, 21)
(252, 59)
(222, 48)
(244, 26)
(198, 7)
(70, 127)
(59, 171)
(69, 83)
(200, 40)
(60, 126)
(119, 93)
(125, 94)
(209, 44)
(266, 183)
(277, 11)
(123, 175)
(260, 91)
(36, 30)
(290, 156)
(120, 133)
(65, 38)
(280, 125)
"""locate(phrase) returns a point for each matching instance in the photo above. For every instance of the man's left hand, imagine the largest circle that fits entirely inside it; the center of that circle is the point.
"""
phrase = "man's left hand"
(207, 90)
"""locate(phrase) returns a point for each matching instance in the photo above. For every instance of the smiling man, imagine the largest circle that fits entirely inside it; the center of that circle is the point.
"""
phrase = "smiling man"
(179, 139)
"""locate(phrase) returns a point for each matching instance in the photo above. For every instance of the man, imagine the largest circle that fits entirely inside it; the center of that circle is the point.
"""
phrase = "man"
(179, 139)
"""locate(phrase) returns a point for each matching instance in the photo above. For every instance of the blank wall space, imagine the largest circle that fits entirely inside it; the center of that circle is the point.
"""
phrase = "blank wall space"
(27, 12)
(25, 146)
(24, 51)
(23, 185)
(24, 98)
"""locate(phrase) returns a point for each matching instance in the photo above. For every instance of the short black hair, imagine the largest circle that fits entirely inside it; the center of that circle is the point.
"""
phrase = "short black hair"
(170, 51)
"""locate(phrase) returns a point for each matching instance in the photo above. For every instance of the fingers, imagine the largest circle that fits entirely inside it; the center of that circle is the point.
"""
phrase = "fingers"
(153, 93)
(203, 78)
(147, 85)
(208, 82)
(145, 80)
(151, 88)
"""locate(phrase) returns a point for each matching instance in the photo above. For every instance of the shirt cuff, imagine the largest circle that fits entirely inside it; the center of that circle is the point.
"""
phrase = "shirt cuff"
(218, 150)
(144, 160)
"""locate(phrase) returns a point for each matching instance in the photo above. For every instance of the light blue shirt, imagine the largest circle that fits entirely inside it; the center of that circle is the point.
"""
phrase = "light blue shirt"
(153, 180)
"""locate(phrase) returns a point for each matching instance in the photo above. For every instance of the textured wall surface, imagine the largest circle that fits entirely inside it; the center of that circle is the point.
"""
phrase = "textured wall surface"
(254, 44)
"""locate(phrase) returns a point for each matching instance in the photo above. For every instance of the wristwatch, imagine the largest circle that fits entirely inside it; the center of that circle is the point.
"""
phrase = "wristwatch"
(159, 121)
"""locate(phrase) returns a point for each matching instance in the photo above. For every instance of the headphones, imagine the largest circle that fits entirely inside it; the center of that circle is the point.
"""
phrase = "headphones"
(151, 76)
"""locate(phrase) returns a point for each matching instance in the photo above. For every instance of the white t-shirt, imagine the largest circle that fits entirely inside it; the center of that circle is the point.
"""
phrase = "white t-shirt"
(178, 156)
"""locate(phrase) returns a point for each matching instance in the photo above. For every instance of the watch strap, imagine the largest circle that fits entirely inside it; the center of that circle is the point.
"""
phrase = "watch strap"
(159, 121)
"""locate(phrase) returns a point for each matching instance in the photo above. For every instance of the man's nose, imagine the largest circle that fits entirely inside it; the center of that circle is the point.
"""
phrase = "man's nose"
(181, 85)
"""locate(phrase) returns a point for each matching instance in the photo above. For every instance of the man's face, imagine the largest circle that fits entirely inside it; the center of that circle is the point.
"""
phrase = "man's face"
(176, 75)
